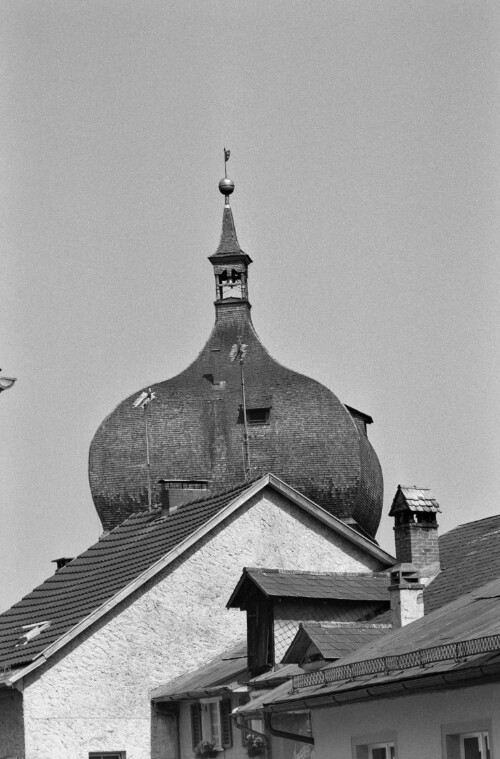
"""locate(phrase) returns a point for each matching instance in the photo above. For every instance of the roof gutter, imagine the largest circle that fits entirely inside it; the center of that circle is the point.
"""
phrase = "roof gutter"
(190, 695)
(408, 686)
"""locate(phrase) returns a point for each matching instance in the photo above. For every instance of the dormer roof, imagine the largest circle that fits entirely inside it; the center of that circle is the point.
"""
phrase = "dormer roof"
(335, 586)
(331, 640)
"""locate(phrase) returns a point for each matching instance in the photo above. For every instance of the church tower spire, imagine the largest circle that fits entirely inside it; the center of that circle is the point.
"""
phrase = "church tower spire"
(230, 262)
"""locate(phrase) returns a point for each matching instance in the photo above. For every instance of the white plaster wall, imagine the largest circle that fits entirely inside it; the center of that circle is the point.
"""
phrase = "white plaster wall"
(94, 695)
(416, 720)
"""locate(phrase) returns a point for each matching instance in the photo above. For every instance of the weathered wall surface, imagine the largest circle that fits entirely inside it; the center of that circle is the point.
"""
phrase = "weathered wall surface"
(95, 695)
(11, 725)
(416, 722)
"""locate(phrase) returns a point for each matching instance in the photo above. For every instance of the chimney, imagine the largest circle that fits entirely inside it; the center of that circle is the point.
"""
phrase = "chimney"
(62, 562)
(407, 601)
(174, 493)
(416, 530)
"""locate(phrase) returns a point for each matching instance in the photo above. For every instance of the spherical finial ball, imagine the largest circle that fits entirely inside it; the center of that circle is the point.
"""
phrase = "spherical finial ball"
(226, 186)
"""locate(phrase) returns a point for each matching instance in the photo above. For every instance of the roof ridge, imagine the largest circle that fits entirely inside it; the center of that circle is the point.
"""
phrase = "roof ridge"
(473, 521)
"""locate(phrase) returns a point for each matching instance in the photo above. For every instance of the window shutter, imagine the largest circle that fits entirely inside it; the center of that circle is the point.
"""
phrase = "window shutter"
(226, 723)
(196, 723)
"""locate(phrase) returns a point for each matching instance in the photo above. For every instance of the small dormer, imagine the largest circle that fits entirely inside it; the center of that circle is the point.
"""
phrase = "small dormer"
(277, 600)
(361, 419)
(317, 644)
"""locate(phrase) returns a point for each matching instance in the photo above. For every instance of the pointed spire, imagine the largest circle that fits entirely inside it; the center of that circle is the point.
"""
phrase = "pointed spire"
(228, 241)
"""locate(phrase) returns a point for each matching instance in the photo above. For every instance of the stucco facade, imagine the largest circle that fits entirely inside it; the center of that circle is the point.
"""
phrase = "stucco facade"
(93, 695)
(418, 725)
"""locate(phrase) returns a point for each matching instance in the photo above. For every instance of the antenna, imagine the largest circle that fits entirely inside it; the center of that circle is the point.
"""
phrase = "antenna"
(239, 351)
(143, 402)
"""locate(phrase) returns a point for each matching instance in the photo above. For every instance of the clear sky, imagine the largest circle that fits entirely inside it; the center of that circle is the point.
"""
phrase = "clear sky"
(365, 149)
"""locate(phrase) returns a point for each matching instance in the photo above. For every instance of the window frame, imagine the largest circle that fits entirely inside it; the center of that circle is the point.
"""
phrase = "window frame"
(363, 745)
(387, 745)
(207, 711)
(483, 737)
(453, 734)
(107, 755)
(219, 707)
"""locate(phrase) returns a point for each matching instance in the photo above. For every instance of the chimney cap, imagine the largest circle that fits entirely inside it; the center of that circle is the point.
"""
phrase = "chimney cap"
(414, 498)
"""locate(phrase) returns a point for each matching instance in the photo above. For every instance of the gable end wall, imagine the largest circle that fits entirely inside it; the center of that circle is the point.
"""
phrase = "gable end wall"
(94, 695)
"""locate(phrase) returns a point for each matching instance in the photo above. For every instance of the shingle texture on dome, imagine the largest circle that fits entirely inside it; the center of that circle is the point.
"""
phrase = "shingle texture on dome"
(298, 429)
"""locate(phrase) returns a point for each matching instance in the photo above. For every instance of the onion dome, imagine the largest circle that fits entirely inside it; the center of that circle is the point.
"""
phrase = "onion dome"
(204, 434)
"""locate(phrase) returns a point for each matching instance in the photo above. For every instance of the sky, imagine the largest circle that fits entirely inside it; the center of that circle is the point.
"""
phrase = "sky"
(365, 151)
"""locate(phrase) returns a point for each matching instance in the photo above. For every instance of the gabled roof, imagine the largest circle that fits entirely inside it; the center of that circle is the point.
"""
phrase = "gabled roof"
(332, 640)
(121, 562)
(470, 557)
(221, 675)
(98, 574)
(413, 498)
(454, 644)
(279, 583)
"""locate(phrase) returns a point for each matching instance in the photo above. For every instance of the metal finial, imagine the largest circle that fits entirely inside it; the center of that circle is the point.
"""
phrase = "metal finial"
(226, 186)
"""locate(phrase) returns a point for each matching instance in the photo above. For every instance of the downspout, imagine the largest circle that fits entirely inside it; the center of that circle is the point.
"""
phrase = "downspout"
(268, 721)
(238, 721)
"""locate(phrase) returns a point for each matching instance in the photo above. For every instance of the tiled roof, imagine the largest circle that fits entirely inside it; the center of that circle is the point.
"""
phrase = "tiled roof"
(334, 639)
(470, 617)
(278, 674)
(220, 674)
(98, 574)
(325, 585)
(414, 499)
(470, 556)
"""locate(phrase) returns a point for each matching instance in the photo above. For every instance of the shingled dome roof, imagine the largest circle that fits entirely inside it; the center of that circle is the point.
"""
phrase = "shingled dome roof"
(297, 428)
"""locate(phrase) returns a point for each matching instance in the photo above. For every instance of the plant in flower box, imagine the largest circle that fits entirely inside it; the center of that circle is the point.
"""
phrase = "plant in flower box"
(254, 745)
(205, 750)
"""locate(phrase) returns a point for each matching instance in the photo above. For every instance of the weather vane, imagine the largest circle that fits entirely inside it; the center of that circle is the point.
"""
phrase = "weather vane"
(227, 154)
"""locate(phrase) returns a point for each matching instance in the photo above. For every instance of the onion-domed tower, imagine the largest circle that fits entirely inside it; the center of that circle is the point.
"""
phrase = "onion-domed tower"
(207, 431)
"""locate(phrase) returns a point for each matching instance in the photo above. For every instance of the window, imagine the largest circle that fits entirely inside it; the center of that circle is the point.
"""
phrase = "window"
(255, 415)
(107, 755)
(382, 751)
(375, 747)
(467, 741)
(211, 721)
